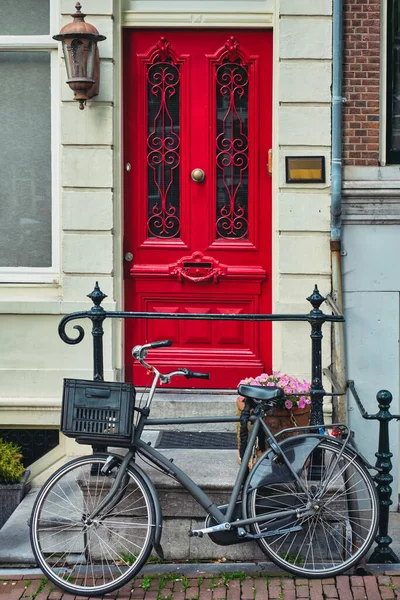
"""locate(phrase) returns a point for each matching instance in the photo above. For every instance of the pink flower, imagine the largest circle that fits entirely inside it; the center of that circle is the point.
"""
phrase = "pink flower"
(294, 388)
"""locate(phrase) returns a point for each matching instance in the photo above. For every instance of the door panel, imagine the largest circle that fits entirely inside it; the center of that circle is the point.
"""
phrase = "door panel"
(199, 100)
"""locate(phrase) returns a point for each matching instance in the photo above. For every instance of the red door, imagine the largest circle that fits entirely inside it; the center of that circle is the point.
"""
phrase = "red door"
(198, 118)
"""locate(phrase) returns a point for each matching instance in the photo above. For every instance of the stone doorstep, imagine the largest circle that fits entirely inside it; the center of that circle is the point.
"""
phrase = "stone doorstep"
(172, 405)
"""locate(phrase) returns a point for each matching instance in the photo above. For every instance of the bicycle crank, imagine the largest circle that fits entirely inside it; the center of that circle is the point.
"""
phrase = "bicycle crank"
(256, 536)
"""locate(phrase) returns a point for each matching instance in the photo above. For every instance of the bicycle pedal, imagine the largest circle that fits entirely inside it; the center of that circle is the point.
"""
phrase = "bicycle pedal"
(192, 533)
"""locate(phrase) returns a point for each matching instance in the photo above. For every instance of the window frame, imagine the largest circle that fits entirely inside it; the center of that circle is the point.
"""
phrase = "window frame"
(42, 43)
(392, 156)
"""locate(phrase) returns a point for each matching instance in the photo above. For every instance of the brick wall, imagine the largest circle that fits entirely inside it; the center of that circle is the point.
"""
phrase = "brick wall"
(361, 82)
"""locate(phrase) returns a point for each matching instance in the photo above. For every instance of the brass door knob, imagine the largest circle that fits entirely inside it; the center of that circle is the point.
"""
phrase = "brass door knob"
(198, 175)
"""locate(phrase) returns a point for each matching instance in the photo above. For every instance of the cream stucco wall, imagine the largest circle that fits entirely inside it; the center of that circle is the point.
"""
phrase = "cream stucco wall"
(33, 360)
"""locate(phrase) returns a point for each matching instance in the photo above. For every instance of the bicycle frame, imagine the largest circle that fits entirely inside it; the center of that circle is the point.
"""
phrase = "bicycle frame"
(223, 520)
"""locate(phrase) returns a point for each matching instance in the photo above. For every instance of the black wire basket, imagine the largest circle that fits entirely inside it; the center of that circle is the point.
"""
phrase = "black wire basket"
(98, 412)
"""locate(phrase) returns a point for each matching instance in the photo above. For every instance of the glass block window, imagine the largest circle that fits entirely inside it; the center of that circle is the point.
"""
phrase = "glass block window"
(393, 83)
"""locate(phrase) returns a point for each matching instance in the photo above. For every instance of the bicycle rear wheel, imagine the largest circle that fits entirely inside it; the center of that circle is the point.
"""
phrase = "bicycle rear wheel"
(344, 517)
(92, 558)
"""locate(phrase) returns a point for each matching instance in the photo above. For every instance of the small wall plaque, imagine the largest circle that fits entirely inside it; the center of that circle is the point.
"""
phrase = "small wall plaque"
(305, 169)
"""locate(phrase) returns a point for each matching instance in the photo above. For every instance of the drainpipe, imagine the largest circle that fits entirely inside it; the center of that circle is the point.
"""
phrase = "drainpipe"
(339, 407)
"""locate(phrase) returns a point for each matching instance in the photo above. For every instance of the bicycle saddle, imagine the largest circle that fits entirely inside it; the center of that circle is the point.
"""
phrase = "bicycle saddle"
(257, 392)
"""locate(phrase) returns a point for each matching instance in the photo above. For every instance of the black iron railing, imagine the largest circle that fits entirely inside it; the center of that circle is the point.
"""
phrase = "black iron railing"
(383, 479)
(316, 318)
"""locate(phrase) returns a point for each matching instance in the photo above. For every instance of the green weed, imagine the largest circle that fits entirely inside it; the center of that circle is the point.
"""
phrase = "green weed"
(185, 582)
(127, 557)
(145, 585)
(41, 585)
(227, 577)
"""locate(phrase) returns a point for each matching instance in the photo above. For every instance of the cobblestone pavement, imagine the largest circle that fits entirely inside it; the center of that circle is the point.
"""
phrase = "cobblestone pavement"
(228, 586)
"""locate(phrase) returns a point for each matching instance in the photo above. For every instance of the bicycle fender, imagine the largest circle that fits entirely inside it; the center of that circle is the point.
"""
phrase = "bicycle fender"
(270, 469)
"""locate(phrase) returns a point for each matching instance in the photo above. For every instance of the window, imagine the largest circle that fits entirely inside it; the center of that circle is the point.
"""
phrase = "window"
(28, 168)
(393, 83)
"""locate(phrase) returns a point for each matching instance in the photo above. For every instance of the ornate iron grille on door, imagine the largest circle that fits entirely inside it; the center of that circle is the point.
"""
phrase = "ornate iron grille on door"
(232, 144)
(163, 143)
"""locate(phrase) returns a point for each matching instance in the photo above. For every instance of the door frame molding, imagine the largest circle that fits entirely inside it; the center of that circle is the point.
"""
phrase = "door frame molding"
(221, 20)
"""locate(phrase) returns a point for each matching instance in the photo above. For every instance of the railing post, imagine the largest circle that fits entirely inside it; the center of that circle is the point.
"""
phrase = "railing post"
(316, 319)
(382, 553)
(97, 316)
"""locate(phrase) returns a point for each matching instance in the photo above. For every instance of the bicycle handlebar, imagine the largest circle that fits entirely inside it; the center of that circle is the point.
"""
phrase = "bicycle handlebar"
(189, 374)
(140, 353)
(161, 344)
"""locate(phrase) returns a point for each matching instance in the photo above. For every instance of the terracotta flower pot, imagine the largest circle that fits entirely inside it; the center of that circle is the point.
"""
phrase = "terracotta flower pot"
(282, 418)
(278, 419)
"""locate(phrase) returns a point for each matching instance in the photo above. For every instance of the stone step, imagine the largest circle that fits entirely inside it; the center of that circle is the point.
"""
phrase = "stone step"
(172, 404)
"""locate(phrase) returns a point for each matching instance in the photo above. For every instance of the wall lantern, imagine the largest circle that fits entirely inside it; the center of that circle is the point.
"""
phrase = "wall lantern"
(79, 41)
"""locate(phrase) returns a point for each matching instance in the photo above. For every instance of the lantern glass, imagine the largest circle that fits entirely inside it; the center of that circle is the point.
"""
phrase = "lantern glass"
(91, 53)
(65, 48)
(78, 59)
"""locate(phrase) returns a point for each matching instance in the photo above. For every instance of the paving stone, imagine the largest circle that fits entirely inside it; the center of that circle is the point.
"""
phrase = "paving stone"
(343, 587)
(355, 580)
(55, 595)
(371, 588)
(192, 592)
(359, 593)
(303, 591)
(219, 594)
(5, 587)
(287, 584)
(45, 591)
(330, 591)
(16, 590)
(386, 592)
(274, 591)
(179, 596)
(248, 589)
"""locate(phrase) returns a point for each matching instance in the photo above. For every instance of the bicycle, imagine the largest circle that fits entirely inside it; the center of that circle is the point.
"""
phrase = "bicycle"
(309, 501)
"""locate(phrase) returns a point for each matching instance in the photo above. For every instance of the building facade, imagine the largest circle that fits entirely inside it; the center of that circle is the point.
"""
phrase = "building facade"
(370, 209)
(86, 196)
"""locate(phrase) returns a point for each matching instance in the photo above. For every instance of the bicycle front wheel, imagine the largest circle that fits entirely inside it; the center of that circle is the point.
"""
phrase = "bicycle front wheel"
(342, 520)
(92, 557)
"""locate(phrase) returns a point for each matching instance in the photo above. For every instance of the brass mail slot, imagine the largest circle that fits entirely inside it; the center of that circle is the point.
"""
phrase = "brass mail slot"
(197, 265)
